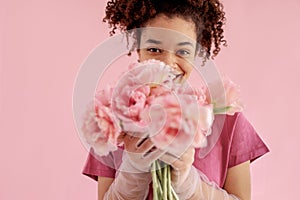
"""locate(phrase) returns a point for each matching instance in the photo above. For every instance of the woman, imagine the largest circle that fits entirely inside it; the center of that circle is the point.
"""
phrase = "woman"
(227, 166)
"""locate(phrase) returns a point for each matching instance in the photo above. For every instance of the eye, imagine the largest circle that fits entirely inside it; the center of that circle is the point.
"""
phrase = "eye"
(183, 52)
(154, 50)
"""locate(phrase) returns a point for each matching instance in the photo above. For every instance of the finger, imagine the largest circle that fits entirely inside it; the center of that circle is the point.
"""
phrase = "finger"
(121, 137)
(137, 134)
(137, 145)
(145, 146)
(130, 143)
(141, 141)
(154, 155)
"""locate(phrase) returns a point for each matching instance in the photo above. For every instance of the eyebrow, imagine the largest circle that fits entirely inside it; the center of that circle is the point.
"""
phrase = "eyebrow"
(185, 43)
(152, 41)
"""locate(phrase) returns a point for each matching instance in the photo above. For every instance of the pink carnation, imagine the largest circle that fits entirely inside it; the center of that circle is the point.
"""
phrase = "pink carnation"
(103, 97)
(152, 72)
(206, 119)
(148, 100)
(100, 128)
(174, 122)
(199, 93)
(228, 99)
(136, 89)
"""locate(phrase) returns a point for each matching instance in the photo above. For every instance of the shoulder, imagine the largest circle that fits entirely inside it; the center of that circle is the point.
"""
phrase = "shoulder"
(233, 141)
(235, 127)
(245, 142)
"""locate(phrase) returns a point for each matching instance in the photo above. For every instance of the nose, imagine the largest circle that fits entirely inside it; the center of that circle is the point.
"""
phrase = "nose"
(170, 59)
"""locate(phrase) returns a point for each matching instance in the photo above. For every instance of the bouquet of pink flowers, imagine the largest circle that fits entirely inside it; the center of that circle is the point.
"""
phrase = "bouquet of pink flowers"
(150, 100)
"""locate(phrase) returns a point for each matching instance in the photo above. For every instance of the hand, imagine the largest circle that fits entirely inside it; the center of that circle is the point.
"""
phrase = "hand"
(180, 166)
(138, 154)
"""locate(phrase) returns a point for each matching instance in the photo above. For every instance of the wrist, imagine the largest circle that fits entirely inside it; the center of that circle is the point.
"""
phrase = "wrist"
(129, 166)
(187, 184)
(180, 176)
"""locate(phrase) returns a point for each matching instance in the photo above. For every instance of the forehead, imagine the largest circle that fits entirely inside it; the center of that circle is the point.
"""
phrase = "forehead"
(165, 36)
(169, 30)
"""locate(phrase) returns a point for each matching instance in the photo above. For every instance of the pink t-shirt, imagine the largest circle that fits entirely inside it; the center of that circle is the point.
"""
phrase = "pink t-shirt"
(238, 143)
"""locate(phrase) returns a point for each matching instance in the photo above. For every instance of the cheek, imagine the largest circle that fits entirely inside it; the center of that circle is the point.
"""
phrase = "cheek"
(186, 65)
(143, 55)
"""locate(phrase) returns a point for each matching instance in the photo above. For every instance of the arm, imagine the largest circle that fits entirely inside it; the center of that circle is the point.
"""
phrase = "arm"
(103, 186)
(238, 181)
(110, 188)
(133, 177)
(127, 186)
(237, 185)
(191, 184)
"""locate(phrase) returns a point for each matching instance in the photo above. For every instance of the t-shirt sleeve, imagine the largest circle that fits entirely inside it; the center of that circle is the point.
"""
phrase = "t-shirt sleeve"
(94, 167)
(246, 143)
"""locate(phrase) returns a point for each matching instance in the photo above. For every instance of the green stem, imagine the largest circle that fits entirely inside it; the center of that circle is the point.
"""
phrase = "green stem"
(158, 168)
(154, 182)
(221, 110)
(170, 197)
(165, 182)
(159, 190)
(174, 194)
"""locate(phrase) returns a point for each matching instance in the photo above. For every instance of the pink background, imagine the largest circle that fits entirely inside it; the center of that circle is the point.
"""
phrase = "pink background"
(42, 45)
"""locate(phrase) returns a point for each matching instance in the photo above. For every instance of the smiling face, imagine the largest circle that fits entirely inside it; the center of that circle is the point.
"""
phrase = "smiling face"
(170, 40)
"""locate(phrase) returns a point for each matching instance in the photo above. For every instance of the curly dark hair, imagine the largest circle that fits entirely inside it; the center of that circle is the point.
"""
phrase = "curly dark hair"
(207, 15)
